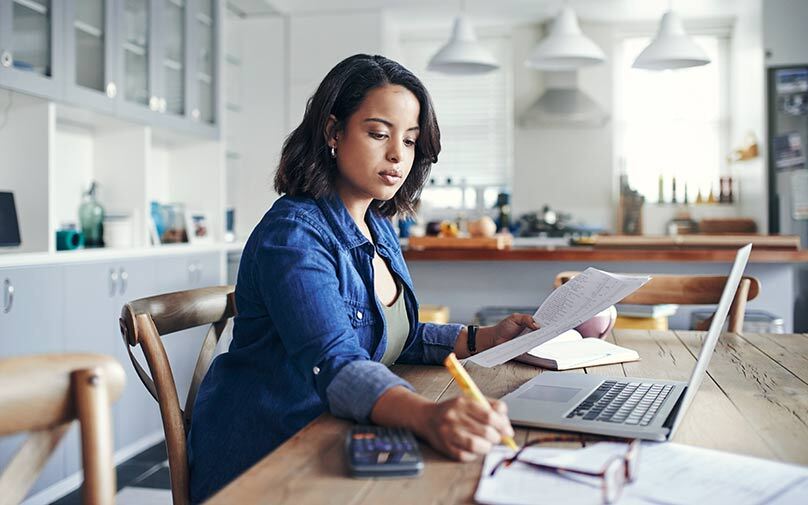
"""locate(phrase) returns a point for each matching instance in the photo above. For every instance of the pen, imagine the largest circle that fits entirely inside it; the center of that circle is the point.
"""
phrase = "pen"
(470, 389)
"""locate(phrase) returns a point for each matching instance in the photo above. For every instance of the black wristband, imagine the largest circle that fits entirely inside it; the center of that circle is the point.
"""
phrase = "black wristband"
(471, 341)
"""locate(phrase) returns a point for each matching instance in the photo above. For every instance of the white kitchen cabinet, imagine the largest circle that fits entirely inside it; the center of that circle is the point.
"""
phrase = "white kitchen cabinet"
(30, 323)
(182, 347)
(93, 296)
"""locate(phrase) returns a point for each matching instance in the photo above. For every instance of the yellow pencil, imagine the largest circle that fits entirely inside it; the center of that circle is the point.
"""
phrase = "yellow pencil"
(470, 389)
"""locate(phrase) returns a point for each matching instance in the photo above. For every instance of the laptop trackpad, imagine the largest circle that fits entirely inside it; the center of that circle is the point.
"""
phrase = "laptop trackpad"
(549, 393)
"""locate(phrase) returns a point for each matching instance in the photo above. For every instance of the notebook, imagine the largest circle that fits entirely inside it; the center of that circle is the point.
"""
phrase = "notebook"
(632, 310)
(571, 350)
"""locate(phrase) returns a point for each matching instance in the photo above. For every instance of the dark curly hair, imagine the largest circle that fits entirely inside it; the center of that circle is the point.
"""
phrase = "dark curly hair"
(306, 167)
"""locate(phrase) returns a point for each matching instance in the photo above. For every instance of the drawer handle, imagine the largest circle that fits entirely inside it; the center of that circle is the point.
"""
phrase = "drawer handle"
(113, 282)
(192, 271)
(8, 296)
(124, 280)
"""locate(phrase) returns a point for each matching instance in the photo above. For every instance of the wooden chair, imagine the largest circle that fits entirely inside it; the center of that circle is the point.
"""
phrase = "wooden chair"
(42, 395)
(690, 290)
(143, 322)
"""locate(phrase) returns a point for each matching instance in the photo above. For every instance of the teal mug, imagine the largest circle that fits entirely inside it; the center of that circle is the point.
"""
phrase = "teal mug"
(67, 240)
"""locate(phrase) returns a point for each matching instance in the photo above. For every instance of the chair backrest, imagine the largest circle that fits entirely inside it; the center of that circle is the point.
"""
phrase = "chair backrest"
(42, 395)
(689, 290)
(143, 322)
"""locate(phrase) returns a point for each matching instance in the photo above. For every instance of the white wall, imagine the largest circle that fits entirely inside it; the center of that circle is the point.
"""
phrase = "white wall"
(73, 163)
(785, 33)
(26, 137)
(569, 169)
(260, 127)
(747, 105)
(284, 59)
(318, 42)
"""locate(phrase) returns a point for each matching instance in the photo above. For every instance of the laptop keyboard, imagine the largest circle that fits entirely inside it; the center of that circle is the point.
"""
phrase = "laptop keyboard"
(634, 403)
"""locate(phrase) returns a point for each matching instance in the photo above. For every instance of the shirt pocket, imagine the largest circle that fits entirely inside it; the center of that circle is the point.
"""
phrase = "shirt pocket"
(360, 314)
(363, 321)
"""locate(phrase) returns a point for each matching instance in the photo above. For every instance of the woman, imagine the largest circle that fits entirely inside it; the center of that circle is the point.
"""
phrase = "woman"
(325, 301)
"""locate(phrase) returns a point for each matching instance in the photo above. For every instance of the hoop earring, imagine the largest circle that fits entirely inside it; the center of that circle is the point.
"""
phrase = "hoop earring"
(333, 152)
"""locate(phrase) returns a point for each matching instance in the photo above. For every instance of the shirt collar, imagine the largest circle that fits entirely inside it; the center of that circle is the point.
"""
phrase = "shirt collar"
(344, 226)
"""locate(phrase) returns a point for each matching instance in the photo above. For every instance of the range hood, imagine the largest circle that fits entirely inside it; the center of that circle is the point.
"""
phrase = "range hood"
(564, 105)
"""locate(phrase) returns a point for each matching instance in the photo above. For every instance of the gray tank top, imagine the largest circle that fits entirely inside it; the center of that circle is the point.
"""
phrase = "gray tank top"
(398, 327)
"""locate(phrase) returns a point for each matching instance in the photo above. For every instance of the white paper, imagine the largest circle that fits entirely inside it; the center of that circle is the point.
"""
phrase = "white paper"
(799, 194)
(521, 485)
(668, 473)
(680, 475)
(569, 305)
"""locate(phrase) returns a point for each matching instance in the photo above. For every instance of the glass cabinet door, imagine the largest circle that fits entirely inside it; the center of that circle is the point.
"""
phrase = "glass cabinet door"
(136, 48)
(90, 47)
(173, 39)
(205, 48)
(28, 38)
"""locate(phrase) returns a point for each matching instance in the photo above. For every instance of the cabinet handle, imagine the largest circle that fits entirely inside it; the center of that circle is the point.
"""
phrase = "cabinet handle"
(113, 282)
(163, 105)
(112, 89)
(192, 272)
(154, 103)
(6, 59)
(124, 280)
(8, 296)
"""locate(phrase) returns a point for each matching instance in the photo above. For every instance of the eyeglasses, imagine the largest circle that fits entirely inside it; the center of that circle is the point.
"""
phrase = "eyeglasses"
(614, 474)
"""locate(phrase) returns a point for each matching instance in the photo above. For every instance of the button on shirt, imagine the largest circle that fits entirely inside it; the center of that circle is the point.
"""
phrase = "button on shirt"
(307, 339)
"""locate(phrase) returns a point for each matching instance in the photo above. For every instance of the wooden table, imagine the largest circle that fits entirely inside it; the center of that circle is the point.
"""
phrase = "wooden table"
(754, 401)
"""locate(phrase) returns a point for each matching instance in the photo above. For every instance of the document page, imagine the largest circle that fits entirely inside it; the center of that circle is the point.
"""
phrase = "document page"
(569, 305)
(668, 473)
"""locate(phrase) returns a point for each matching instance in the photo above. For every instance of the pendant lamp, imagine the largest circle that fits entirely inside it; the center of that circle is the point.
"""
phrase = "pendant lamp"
(566, 48)
(671, 48)
(463, 54)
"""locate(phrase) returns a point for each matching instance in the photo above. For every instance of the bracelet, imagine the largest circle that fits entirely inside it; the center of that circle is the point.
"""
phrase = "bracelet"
(471, 341)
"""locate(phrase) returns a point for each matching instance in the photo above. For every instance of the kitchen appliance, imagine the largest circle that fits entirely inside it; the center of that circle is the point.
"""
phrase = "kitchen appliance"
(787, 110)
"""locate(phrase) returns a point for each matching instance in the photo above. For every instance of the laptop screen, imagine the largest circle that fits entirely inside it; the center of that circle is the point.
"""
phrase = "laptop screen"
(9, 227)
(714, 332)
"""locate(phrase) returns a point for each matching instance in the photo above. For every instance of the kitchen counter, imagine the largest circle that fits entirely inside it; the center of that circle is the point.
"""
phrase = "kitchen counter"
(466, 280)
(592, 254)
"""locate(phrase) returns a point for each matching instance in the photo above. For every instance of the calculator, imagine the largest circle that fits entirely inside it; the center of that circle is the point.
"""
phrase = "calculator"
(379, 451)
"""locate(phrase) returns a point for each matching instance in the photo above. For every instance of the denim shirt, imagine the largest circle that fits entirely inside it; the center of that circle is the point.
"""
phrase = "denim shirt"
(307, 339)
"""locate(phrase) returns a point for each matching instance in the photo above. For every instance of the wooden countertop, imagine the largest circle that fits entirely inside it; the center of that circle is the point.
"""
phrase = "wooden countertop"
(591, 254)
(753, 401)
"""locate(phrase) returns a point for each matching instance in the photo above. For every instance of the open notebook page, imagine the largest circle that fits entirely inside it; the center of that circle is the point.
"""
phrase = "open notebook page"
(569, 305)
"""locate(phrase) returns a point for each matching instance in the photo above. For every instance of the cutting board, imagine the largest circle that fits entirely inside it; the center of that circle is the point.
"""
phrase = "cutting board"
(495, 242)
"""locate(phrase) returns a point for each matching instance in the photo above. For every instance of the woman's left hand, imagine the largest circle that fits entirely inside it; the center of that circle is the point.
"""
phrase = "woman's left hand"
(511, 327)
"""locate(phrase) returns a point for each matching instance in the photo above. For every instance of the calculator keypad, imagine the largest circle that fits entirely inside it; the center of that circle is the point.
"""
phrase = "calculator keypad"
(378, 450)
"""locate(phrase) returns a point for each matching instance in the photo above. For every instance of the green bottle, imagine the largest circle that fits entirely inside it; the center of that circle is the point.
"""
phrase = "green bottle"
(91, 217)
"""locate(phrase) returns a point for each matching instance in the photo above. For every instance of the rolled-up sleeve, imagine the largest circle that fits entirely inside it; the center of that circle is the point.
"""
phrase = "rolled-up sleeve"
(432, 343)
(297, 277)
(358, 385)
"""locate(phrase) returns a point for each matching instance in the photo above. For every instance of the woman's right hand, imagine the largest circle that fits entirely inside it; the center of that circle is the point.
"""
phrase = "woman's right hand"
(464, 429)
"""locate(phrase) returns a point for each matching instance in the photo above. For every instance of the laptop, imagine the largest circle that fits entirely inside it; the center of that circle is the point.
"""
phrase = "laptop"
(626, 407)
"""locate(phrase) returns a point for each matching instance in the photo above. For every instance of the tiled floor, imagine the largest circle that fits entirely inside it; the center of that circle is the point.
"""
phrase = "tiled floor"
(149, 469)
